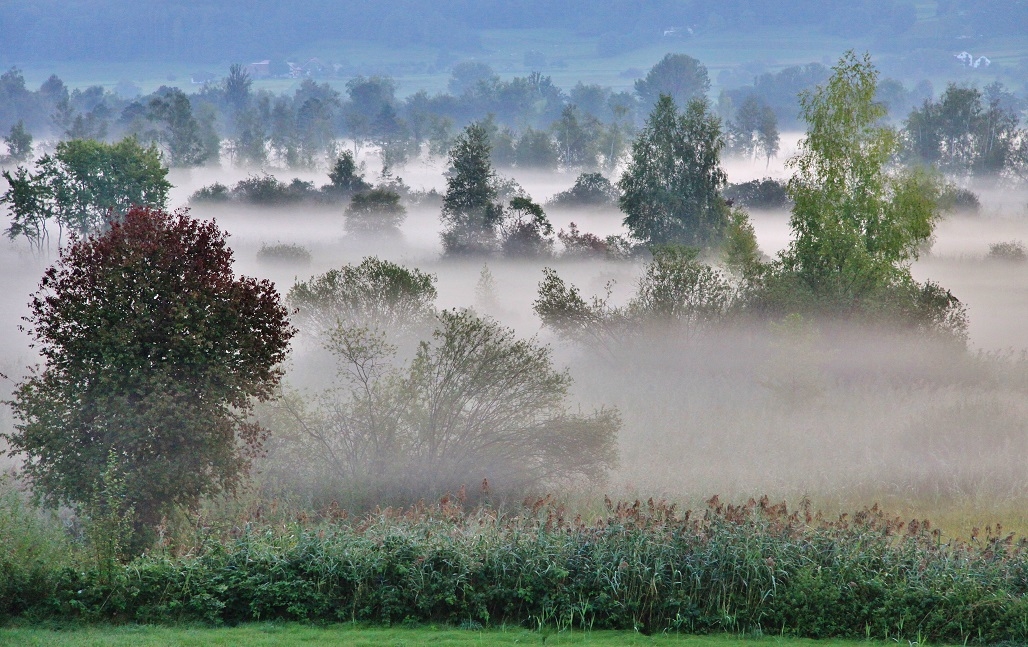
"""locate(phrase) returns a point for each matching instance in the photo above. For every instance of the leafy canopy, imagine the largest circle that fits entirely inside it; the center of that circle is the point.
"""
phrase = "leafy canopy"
(153, 351)
(671, 190)
(855, 226)
(84, 187)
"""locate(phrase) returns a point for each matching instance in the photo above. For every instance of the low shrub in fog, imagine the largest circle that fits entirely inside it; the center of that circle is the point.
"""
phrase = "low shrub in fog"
(581, 244)
(1010, 251)
(525, 231)
(758, 194)
(376, 211)
(376, 294)
(284, 253)
(757, 568)
(589, 190)
(474, 403)
(677, 294)
(955, 199)
(267, 190)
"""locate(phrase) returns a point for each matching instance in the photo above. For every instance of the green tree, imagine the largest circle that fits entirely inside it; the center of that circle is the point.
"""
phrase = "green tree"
(19, 142)
(754, 130)
(84, 187)
(966, 132)
(346, 176)
(153, 351)
(237, 87)
(535, 149)
(470, 212)
(679, 76)
(671, 190)
(856, 227)
(187, 140)
(851, 220)
(576, 138)
(525, 230)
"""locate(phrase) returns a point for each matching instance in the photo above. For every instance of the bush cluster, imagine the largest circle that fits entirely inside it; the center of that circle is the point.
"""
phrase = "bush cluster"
(752, 568)
(264, 190)
(759, 194)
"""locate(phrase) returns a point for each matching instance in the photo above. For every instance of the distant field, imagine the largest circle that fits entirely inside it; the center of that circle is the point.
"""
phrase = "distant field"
(285, 635)
(569, 59)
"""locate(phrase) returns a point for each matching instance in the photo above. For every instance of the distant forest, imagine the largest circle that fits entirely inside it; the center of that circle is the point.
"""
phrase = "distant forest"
(117, 30)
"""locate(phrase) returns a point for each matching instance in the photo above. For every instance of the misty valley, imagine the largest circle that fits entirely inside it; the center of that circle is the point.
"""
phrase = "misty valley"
(649, 359)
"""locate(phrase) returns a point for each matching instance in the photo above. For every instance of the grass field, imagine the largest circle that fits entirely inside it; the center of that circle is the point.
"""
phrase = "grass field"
(285, 635)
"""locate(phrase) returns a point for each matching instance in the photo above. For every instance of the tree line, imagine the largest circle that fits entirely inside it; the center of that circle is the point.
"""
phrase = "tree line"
(207, 31)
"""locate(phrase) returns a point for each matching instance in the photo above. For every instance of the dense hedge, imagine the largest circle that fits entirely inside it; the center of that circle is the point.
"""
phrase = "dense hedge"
(747, 568)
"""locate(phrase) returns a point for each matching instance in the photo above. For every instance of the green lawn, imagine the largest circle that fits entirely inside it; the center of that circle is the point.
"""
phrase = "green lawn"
(299, 634)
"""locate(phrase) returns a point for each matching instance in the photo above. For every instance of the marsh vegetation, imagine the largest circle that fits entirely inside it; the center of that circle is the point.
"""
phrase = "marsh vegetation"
(720, 335)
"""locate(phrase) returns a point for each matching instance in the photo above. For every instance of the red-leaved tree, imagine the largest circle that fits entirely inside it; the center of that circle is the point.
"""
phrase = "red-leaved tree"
(154, 351)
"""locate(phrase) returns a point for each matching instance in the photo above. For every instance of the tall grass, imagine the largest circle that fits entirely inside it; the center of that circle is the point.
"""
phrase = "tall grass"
(755, 568)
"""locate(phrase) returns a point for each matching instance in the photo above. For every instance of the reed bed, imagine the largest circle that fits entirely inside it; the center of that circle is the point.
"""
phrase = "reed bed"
(758, 567)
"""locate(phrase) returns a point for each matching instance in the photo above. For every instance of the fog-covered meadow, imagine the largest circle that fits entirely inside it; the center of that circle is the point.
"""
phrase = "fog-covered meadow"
(841, 415)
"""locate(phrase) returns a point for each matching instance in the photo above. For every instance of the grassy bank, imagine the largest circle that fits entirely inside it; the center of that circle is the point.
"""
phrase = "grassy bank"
(286, 635)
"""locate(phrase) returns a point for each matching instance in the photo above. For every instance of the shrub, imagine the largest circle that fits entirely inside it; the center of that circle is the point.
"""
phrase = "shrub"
(955, 199)
(475, 403)
(1012, 251)
(376, 211)
(644, 565)
(216, 193)
(261, 190)
(589, 190)
(759, 194)
(525, 231)
(376, 294)
(283, 253)
(579, 244)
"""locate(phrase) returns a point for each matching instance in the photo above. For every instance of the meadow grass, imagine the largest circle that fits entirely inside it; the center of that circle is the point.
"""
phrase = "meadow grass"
(288, 634)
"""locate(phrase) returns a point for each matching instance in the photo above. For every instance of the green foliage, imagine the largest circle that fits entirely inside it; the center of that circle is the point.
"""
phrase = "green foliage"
(153, 352)
(756, 568)
(85, 187)
(677, 295)
(576, 137)
(679, 76)
(34, 549)
(108, 522)
(475, 405)
(19, 143)
(856, 227)
(678, 291)
(1012, 251)
(525, 230)
(954, 199)
(759, 194)
(754, 130)
(671, 190)
(470, 213)
(186, 139)
(346, 176)
(589, 190)
(287, 253)
(376, 294)
(581, 244)
(212, 193)
(965, 132)
(375, 211)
